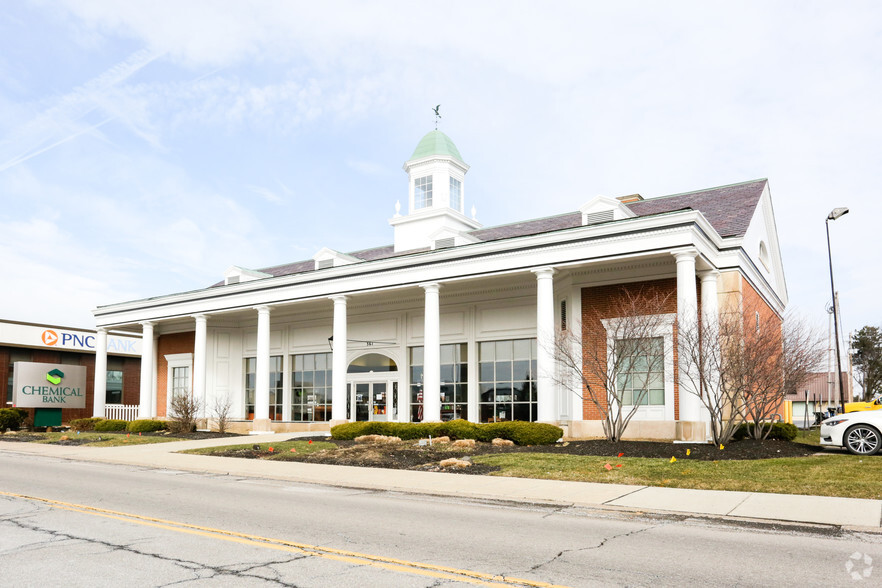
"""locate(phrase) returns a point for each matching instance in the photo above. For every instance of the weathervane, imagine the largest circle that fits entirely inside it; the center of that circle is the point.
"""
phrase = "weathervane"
(437, 115)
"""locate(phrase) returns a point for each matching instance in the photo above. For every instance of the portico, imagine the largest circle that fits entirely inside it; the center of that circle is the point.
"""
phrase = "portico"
(453, 320)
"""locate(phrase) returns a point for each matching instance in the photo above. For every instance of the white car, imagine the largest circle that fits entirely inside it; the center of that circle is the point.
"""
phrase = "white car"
(859, 432)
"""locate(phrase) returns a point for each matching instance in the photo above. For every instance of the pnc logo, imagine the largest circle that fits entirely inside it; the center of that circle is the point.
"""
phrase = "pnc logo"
(50, 337)
(54, 377)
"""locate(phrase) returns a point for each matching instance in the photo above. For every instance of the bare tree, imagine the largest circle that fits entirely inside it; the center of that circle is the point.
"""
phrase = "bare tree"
(615, 359)
(743, 363)
(221, 410)
(184, 409)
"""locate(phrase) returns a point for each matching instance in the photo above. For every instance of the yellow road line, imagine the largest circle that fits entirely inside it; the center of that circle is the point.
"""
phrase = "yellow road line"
(392, 564)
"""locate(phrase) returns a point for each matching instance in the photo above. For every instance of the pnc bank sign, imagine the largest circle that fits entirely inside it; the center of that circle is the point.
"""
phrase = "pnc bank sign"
(48, 385)
(86, 341)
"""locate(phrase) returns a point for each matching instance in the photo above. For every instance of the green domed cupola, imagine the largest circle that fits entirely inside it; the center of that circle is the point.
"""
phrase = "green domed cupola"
(436, 197)
(435, 143)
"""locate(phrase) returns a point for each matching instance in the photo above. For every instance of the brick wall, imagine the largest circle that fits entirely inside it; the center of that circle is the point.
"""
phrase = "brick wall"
(753, 304)
(601, 302)
(169, 345)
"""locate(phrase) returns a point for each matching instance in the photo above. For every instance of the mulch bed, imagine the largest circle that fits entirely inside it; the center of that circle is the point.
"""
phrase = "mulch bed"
(408, 455)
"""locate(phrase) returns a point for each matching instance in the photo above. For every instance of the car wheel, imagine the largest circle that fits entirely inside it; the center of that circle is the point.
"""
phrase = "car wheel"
(863, 440)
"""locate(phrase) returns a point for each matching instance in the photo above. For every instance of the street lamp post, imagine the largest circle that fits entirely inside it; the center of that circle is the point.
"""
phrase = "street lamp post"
(834, 214)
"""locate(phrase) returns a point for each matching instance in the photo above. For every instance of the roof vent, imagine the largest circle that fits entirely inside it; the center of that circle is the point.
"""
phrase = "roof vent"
(325, 264)
(598, 217)
(232, 280)
(445, 243)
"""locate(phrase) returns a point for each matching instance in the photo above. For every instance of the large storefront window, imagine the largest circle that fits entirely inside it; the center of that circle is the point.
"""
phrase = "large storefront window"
(275, 387)
(311, 387)
(454, 382)
(507, 380)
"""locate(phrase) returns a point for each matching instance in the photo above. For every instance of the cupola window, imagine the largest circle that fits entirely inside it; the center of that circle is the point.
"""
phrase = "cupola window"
(422, 192)
(455, 194)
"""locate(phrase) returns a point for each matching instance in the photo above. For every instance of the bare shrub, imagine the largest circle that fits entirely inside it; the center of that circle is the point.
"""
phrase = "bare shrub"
(221, 412)
(614, 358)
(183, 412)
(742, 365)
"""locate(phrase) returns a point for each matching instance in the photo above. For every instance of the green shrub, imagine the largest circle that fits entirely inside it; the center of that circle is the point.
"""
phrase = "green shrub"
(522, 433)
(85, 424)
(145, 426)
(11, 418)
(781, 431)
(106, 425)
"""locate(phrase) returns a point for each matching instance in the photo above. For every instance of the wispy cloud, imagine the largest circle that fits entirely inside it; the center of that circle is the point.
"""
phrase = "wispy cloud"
(266, 194)
(67, 117)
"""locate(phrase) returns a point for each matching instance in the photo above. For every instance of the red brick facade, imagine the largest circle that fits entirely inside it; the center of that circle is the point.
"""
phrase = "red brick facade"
(130, 366)
(600, 302)
(169, 345)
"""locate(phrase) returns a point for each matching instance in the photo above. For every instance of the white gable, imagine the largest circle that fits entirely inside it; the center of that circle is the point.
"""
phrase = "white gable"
(326, 258)
(447, 237)
(601, 209)
(235, 274)
(761, 245)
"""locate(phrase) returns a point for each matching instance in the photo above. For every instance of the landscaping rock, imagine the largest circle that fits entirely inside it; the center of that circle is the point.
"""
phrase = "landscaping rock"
(502, 442)
(455, 463)
(377, 439)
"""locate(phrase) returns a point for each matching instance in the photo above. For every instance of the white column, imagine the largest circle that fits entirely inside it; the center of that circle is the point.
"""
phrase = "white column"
(154, 375)
(687, 321)
(546, 409)
(261, 379)
(432, 354)
(339, 363)
(710, 318)
(100, 372)
(145, 408)
(199, 351)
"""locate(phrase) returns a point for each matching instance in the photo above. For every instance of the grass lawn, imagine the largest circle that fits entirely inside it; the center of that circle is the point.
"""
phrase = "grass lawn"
(828, 475)
(281, 451)
(107, 439)
(809, 437)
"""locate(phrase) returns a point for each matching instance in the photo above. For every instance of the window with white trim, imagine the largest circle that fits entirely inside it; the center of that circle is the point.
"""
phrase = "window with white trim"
(178, 376)
(645, 365)
(640, 380)
(422, 192)
(455, 194)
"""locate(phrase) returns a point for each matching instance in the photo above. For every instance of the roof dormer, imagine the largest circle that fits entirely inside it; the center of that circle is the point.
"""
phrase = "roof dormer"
(326, 258)
(235, 274)
(603, 209)
(445, 238)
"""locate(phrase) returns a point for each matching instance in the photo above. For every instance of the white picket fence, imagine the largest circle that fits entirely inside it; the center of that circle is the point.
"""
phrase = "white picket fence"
(123, 412)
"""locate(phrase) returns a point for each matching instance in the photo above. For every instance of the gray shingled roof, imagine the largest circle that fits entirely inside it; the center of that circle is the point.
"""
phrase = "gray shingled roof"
(727, 208)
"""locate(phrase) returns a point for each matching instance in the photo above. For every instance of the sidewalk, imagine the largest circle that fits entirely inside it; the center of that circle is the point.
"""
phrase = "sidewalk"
(845, 512)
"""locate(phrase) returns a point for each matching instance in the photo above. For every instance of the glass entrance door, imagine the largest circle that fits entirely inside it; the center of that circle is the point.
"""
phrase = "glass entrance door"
(362, 402)
(372, 401)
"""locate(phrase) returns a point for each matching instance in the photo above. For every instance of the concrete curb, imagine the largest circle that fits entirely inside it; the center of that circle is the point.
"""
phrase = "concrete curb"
(855, 513)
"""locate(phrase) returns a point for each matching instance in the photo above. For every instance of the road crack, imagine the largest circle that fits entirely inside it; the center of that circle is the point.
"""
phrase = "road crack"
(199, 570)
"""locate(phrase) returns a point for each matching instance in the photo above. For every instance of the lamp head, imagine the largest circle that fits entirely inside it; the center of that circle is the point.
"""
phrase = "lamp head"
(837, 212)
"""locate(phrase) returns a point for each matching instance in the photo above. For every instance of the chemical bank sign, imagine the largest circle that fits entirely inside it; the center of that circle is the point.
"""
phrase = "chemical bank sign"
(48, 385)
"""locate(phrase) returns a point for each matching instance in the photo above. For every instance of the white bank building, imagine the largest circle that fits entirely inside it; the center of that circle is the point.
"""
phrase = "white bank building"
(453, 319)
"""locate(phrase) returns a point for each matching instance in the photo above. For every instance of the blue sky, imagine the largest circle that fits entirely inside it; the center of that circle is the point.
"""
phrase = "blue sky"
(147, 146)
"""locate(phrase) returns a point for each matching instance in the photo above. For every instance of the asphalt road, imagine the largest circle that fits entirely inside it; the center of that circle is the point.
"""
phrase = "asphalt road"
(90, 524)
